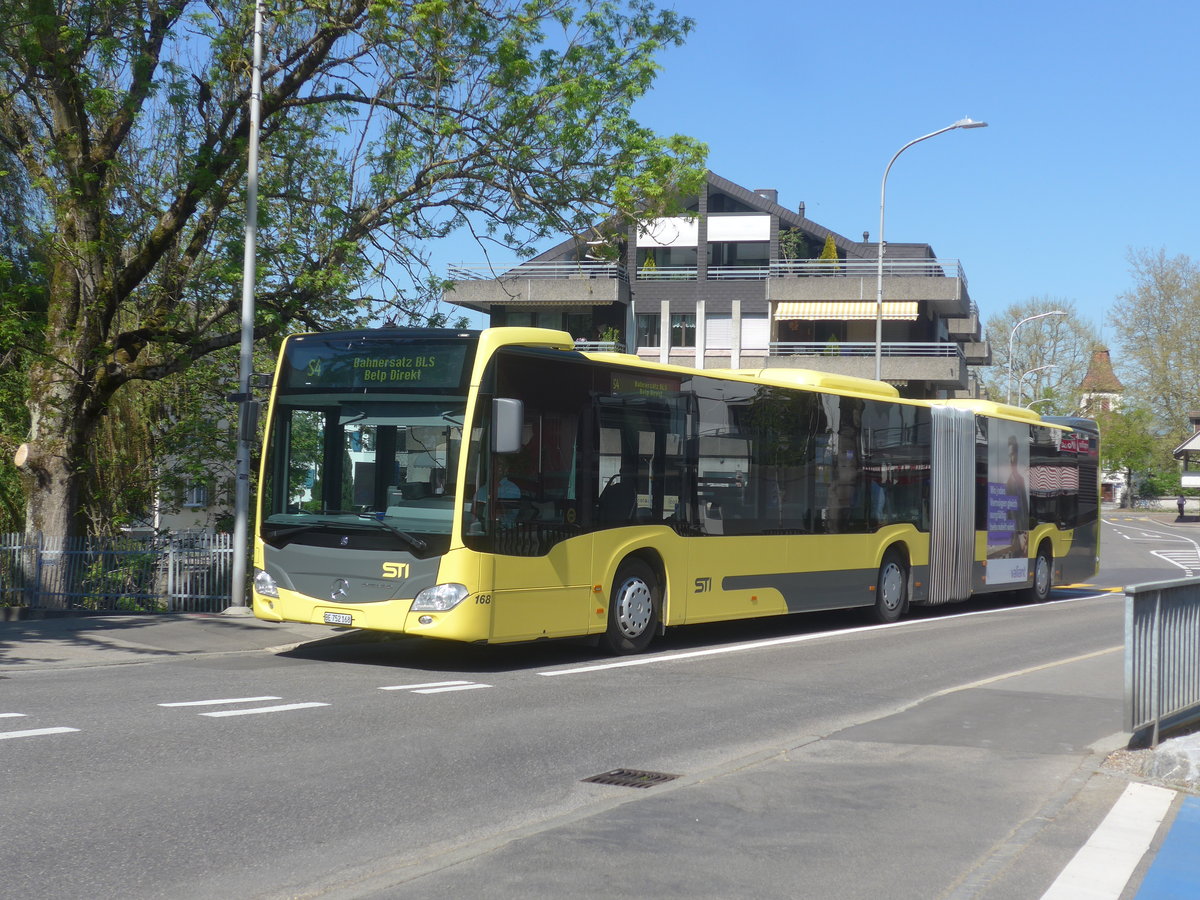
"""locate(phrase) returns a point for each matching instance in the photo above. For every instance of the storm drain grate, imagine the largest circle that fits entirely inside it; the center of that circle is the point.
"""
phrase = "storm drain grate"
(635, 778)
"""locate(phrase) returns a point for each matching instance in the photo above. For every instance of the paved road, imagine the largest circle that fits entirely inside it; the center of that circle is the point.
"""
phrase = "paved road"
(952, 755)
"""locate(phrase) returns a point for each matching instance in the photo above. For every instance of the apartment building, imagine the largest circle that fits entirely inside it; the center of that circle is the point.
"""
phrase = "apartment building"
(740, 282)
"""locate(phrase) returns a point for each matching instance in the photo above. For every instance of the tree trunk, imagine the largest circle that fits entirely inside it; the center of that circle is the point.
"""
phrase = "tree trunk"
(60, 426)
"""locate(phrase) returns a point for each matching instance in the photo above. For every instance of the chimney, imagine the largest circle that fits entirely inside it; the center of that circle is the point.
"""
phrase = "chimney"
(800, 209)
(768, 193)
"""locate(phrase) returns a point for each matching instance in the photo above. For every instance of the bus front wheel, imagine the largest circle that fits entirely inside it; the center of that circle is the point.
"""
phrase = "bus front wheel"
(632, 608)
(891, 590)
(1039, 591)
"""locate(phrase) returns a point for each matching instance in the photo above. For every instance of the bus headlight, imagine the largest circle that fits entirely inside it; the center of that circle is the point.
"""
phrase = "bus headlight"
(265, 584)
(440, 598)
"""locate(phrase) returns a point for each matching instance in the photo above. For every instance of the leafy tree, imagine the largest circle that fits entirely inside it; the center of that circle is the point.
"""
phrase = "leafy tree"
(1064, 342)
(1131, 444)
(1157, 324)
(794, 245)
(829, 252)
(384, 126)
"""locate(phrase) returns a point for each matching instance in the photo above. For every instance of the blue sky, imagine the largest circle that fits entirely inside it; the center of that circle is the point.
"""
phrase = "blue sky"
(1091, 147)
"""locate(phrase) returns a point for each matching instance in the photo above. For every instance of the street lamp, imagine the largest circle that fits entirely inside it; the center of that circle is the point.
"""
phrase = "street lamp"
(241, 502)
(961, 123)
(1012, 334)
(1026, 374)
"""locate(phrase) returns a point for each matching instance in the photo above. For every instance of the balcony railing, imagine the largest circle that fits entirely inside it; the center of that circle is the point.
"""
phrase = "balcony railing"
(862, 348)
(924, 268)
(782, 268)
(736, 273)
(600, 346)
(585, 268)
(667, 273)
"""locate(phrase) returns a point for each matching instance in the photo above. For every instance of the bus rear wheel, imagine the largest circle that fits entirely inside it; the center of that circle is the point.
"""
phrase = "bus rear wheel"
(891, 590)
(632, 608)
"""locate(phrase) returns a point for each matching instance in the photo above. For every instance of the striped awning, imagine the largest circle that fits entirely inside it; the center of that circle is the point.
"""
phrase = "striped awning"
(840, 310)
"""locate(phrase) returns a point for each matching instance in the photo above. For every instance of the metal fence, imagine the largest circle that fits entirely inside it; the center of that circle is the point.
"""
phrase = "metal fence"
(169, 573)
(1162, 656)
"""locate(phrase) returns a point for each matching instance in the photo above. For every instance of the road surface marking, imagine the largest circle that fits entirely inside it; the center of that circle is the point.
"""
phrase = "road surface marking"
(1175, 871)
(801, 638)
(469, 686)
(430, 684)
(12, 715)
(261, 709)
(221, 702)
(35, 732)
(1188, 560)
(1104, 865)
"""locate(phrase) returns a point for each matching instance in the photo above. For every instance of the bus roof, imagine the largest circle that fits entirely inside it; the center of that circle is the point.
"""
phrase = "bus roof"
(787, 378)
(993, 409)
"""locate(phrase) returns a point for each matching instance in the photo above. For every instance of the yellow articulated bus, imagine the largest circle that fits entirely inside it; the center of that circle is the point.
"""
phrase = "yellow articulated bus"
(499, 485)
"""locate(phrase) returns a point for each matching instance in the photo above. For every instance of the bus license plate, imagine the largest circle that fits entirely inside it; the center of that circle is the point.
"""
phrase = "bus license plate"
(338, 618)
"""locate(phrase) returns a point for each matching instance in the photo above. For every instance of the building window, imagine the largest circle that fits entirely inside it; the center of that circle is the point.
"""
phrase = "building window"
(649, 330)
(756, 332)
(738, 253)
(683, 329)
(534, 318)
(718, 332)
(196, 495)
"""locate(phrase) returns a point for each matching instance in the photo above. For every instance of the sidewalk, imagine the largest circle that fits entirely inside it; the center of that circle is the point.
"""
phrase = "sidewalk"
(106, 640)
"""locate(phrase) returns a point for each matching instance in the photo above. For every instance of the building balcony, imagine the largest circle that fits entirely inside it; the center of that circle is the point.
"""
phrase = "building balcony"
(938, 283)
(564, 283)
(939, 364)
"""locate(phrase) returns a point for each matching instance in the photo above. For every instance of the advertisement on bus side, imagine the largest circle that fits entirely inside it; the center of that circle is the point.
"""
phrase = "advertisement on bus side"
(1007, 503)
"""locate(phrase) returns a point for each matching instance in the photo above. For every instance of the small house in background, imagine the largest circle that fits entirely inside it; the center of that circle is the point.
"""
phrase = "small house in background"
(1189, 453)
(1101, 392)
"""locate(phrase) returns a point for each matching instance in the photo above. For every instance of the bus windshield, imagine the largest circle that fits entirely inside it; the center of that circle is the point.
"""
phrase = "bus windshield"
(372, 464)
(363, 443)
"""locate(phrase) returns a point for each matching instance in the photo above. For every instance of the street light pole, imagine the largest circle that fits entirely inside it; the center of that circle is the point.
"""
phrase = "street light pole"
(241, 501)
(961, 123)
(1026, 374)
(1012, 334)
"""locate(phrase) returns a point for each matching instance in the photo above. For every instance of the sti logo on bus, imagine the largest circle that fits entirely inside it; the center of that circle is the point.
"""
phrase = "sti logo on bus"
(703, 585)
(395, 570)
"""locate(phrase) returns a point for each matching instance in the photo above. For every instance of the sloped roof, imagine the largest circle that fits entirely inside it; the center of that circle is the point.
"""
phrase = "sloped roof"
(1100, 377)
(788, 218)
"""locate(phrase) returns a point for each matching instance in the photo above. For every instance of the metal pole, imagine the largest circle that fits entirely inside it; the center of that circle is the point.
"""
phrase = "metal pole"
(961, 123)
(237, 590)
(1012, 334)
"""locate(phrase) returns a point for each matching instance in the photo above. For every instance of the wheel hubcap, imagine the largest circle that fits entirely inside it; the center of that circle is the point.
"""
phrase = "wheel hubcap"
(1042, 576)
(891, 586)
(635, 606)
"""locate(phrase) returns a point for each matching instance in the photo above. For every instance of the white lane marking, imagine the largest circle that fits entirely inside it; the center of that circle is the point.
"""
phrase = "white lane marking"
(12, 715)
(1188, 560)
(1104, 865)
(34, 732)
(801, 638)
(261, 709)
(221, 702)
(430, 684)
(469, 686)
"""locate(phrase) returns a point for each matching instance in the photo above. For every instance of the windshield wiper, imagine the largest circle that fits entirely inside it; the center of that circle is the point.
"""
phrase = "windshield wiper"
(411, 539)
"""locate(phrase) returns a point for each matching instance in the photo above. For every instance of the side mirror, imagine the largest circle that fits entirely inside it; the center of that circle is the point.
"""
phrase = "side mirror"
(508, 415)
(248, 430)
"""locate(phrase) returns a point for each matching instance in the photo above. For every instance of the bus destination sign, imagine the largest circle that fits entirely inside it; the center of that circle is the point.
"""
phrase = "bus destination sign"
(374, 364)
